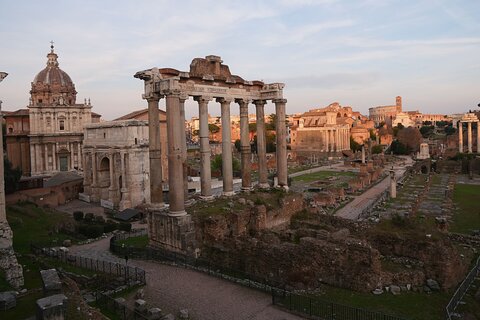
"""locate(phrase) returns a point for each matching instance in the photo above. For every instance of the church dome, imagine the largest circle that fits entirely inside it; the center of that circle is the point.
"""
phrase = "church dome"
(52, 85)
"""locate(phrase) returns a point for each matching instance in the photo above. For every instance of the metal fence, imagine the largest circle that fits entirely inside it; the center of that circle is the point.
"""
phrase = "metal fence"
(461, 290)
(280, 297)
(319, 309)
(131, 274)
(123, 312)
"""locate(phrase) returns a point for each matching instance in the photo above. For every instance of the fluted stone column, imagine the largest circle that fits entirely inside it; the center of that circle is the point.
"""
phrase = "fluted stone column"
(205, 171)
(261, 144)
(112, 188)
(54, 156)
(327, 140)
(281, 142)
(45, 146)
(155, 154)
(245, 149)
(79, 156)
(469, 136)
(183, 98)
(72, 159)
(227, 170)
(33, 163)
(460, 137)
(124, 195)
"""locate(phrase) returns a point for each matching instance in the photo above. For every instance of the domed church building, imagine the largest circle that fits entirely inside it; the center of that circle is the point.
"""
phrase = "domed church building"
(56, 121)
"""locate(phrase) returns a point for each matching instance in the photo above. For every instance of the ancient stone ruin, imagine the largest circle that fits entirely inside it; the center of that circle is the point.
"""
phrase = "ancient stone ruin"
(207, 79)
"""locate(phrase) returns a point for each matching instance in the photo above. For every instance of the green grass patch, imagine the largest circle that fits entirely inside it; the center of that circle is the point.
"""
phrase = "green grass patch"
(136, 242)
(26, 307)
(322, 175)
(409, 305)
(467, 217)
(34, 224)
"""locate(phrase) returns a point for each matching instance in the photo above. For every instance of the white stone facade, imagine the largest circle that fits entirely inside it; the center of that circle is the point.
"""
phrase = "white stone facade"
(116, 161)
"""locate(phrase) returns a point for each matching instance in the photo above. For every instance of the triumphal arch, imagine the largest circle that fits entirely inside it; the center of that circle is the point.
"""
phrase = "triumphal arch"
(208, 80)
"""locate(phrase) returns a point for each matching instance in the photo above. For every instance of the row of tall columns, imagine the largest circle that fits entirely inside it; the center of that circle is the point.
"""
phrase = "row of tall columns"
(335, 140)
(40, 160)
(177, 154)
(469, 137)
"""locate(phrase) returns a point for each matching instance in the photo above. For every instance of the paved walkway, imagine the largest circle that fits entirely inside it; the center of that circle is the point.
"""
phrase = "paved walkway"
(207, 298)
(354, 208)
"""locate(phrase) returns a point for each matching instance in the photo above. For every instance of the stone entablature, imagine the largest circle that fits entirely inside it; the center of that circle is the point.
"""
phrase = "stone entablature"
(117, 168)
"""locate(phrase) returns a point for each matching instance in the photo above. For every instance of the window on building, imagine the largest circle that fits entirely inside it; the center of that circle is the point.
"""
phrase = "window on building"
(39, 100)
(62, 125)
(49, 122)
(135, 140)
(104, 135)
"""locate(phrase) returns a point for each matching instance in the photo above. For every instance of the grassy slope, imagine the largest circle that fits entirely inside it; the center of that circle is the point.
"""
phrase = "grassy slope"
(467, 217)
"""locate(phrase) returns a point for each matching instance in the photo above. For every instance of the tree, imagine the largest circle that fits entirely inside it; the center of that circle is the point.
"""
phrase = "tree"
(450, 130)
(213, 128)
(237, 145)
(426, 131)
(272, 122)
(216, 164)
(354, 145)
(373, 136)
(398, 148)
(12, 176)
(270, 140)
(252, 127)
(397, 129)
(377, 149)
(411, 138)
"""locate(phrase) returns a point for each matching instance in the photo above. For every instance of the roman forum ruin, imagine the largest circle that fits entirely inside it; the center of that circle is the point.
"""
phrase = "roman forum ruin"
(468, 118)
(208, 79)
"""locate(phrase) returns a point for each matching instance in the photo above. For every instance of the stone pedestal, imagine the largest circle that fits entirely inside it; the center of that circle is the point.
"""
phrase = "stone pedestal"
(171, 233)
(52, 307)
(393, 185)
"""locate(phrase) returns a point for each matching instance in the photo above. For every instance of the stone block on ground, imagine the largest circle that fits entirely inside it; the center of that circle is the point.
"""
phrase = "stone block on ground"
(433, 285)
(140, 305)
(51, 282)
(52, 307)
(67, 243)
(395, 290)
(8, 300)
(184, 314)
(154, 314)
(140, 294)
(169, 317)
(120, 301)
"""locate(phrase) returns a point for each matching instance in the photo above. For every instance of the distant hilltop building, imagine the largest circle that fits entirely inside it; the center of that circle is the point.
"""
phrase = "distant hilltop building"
(327, 130)
(385, 114)
(47, 137)
(394, 115)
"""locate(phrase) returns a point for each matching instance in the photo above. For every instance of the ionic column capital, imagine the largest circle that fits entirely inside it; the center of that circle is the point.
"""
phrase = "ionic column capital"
(259, 103)
(243, 102)
(183, 97)
(226, 100)
(172, 92)
(154, 97)
(279, 100)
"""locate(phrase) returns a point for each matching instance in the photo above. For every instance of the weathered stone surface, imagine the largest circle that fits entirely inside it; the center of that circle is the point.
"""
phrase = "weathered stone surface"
(52, 307)
(8, 261)
(169, 317)
(154, 313)
(67, 243)
(433, 285)
(184, 314)
(8, 300)
(51, 281)
(395, 290)
(120, 301)
(140, 305)
(140, 294)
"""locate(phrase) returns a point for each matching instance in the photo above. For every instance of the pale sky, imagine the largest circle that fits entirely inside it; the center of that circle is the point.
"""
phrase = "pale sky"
(360, 53)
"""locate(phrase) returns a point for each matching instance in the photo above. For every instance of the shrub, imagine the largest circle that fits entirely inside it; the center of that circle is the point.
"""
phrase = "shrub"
(89, 217)
(99, 219)
(90, 230)
(110, 226)
(125, 226)
(78, 215)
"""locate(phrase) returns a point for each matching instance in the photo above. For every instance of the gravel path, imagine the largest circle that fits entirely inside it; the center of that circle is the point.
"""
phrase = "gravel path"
(207, 298)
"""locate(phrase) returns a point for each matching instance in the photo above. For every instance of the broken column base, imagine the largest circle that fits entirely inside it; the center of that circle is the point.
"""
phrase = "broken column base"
(173, 233)
(52, 307)
(8, 261)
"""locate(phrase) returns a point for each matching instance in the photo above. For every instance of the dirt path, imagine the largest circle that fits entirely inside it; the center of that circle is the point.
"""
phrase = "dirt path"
(207, 298)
